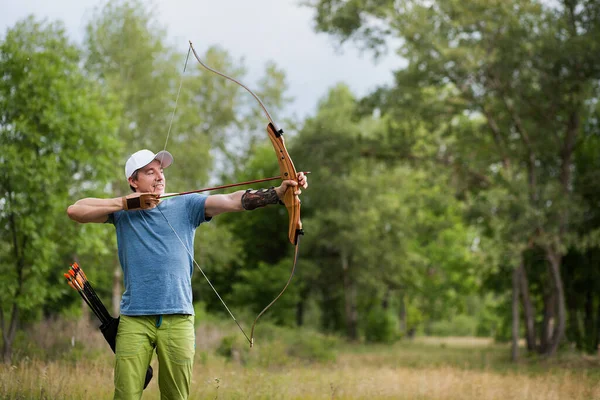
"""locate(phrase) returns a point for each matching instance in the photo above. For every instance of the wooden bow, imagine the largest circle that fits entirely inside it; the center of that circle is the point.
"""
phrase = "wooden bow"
(286, 165)
(290, 200)
(288, 171)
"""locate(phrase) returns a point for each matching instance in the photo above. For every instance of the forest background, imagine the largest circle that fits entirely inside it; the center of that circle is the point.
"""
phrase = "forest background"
(460, 200)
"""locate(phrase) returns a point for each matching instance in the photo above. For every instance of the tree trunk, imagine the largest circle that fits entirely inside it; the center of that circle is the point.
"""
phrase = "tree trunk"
(558, 332)
(591, 330)
(6, 350)
(547, 322)
(385, 303)
(402, 313)
(552, 253)
(8, 335)
(349, 299)
(587, 336)
(300, 311)
(516, 280)
(598, 329)
(19, 251)
(593, 260)
(528, 310)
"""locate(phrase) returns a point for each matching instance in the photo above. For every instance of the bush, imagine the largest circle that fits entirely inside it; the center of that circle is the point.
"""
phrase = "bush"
(381, 326)
(233, 348)
(313, 347)
(279, 346)
(461, 325)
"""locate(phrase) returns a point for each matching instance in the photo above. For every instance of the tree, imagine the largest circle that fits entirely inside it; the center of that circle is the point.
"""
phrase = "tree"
(57, 131)
(520, 72)
(383, 234)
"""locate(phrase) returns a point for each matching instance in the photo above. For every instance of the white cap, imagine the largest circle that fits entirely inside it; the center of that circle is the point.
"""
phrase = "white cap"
(144, 157)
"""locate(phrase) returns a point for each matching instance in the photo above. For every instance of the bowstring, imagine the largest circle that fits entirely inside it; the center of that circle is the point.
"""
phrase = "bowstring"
(204, 275)
(176, 102)
(171, 226)
(280, 293)
(268, 115)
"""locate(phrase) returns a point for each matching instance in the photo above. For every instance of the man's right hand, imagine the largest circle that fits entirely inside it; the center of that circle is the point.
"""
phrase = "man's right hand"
(140, 201)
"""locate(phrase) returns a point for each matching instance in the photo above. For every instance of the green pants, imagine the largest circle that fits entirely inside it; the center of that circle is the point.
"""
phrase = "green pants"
(174, 339)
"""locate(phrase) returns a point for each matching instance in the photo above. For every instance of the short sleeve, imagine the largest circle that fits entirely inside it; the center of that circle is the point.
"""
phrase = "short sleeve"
(195, 204)
(113, 217)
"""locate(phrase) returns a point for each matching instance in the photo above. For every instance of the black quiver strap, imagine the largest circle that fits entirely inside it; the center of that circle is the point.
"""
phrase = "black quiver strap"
(109, 331)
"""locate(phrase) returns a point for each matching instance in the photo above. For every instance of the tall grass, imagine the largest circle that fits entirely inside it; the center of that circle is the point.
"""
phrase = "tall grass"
(423, 369)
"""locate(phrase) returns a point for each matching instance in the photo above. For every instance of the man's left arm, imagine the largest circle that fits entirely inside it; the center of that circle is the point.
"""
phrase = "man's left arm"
(251, 199)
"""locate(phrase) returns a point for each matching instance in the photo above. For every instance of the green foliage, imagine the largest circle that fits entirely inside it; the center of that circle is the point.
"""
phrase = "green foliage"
(408, 237)
(259, 286)
(202, 316)
(57, 137)
(233, 348)
(279, 347)
(381, 326)
(460, 325)
(414, 318)
(125, 50)
(484, 84)
(312, 347)
(487, 319)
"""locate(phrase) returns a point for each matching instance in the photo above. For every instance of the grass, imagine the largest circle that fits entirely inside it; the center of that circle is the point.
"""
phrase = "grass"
(428, 368)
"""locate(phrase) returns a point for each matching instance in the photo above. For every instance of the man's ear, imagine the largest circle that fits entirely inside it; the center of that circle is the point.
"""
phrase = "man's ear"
(132, 182)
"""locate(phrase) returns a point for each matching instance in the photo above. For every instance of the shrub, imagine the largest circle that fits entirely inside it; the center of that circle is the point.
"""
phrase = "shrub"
(233, 348)
(461, 325)
(381, 326)
(313, 347)
(279, 346)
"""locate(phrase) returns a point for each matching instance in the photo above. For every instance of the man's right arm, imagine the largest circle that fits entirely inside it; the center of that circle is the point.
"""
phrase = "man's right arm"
(98, 210)
(94, 210)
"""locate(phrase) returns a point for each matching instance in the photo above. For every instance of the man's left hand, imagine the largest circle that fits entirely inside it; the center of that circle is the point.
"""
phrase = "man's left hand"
(302, 183)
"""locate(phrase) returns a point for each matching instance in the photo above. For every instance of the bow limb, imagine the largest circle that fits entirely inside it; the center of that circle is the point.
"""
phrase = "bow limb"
(288, 171)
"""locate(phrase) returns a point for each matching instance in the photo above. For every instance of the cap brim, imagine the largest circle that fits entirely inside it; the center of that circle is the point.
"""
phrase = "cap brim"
(164, 157)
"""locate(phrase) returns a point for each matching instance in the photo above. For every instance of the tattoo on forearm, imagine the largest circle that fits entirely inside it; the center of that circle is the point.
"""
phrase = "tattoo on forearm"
(254, 199)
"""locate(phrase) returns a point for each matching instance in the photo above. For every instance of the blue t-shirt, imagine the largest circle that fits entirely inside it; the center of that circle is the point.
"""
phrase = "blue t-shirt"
(157, 270)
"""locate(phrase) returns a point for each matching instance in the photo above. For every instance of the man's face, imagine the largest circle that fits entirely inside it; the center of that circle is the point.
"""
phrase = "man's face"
(150, 179)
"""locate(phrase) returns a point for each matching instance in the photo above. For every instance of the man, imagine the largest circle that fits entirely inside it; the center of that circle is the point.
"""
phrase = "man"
(156, 308)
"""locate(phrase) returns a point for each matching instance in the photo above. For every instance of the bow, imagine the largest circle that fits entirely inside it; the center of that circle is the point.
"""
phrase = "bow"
(290, 200)
(286, 165)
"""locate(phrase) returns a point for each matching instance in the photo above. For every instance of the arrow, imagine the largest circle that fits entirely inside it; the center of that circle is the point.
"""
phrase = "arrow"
(226, 186)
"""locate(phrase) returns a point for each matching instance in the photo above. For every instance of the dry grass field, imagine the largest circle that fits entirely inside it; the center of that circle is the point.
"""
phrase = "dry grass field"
(428, 368)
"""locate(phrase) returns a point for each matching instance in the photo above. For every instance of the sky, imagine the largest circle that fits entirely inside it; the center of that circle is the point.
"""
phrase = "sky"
(256, 30)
